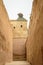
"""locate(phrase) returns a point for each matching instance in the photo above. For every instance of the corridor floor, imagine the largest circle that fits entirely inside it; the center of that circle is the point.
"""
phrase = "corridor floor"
(18, 63)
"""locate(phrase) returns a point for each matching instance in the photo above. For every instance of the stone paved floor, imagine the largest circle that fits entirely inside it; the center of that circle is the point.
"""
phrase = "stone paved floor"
(18, 63)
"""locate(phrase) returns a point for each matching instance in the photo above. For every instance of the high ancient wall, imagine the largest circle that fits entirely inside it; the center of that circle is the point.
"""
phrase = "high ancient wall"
(35, 37)
(5, 36)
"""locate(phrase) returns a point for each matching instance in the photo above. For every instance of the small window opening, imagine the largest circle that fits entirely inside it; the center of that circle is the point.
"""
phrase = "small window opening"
(21, 26)
(14, 27)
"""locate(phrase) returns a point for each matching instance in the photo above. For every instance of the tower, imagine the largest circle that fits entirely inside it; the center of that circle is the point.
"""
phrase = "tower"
(19, 27)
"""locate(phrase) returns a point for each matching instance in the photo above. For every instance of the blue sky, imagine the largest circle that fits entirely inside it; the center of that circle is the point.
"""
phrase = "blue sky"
(18, 6)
